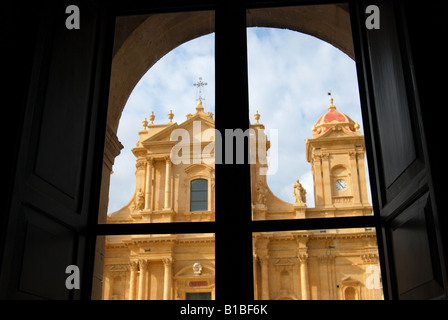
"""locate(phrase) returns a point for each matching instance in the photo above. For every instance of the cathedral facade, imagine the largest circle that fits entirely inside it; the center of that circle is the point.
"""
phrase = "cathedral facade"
(340, 264)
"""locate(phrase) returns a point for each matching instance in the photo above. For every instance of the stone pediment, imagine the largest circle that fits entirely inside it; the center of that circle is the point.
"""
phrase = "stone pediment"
(199, 121)
(338, 131)
(349, 281)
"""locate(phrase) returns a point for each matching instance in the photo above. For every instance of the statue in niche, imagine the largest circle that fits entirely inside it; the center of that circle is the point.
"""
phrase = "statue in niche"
(261, 193)
(140, 201)
(299, 193)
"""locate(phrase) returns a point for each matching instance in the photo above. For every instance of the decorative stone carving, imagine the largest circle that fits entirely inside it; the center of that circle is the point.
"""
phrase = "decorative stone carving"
(145, 124)
(257, 117)
(261, 193)
(197, 268)
(140, 165)
(140, 200)
(170, 116)
(167, 262)
(133, 265)
(370, 258)
(302, 257)
(152, 117)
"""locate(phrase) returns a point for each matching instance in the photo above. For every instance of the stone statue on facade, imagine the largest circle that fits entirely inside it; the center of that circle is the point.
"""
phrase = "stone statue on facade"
(299, 193)
(140, 201)
(261, 193)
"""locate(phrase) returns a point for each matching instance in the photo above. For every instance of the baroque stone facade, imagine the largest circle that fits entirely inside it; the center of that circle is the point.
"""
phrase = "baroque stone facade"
(337, 264)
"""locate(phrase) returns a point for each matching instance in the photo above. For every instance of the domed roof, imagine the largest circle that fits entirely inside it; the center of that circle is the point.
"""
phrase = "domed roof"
(334, 119)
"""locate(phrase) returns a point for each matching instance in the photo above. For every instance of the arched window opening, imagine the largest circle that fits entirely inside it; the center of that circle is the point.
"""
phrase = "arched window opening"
(198, 195)
(350, 294)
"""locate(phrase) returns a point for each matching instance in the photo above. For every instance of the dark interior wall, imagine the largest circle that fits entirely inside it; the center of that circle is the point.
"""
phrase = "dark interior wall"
(428, 31)
(19, 22)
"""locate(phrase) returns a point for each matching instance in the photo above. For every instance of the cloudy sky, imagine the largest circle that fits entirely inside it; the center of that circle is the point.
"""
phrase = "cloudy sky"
(290, 74)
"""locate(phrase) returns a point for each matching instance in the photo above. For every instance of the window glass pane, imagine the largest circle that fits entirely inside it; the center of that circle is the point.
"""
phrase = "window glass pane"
(333, 264)
(199, 296)
(157, 267)
(199, 196)
(199, 185)
(198, 206)
(303, 96)
(161, 103)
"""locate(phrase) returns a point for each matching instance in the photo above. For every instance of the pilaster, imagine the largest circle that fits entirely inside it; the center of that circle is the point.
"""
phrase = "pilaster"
(168, 205)
(148, 184)
(143, 266)
(168, 277)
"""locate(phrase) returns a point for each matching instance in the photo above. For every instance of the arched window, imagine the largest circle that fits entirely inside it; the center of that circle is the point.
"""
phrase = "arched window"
(198, 195)
(350, 294)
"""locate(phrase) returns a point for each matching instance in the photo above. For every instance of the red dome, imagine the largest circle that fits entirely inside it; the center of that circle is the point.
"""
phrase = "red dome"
(332, 119)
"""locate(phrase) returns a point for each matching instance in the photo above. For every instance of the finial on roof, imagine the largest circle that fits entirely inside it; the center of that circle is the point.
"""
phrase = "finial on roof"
(200, 107)
(152, 117)
(171, 116)
(331, 106)
(257, 117)
(145, 124)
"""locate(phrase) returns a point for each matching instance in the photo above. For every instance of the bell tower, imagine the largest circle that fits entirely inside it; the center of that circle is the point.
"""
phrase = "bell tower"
(336, 153)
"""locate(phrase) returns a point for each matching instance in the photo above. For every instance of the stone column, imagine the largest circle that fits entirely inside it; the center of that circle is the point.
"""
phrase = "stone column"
(304, 282)
(112, 147)
(209, 195)
(332, 277)
(168, 184)
(134, 268)
(148, 184)
(264, 260)
(142, 280)
(255, 271)
(362, 177)
(355, 178)
(106, 287)
(319, 186)
(167, 278)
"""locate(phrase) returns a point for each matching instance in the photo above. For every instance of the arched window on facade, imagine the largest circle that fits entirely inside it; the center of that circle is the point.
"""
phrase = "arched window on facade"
(198, 195)
(350, 294)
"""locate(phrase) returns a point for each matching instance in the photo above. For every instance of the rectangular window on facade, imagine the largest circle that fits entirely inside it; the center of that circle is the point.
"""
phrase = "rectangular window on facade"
(198, 195)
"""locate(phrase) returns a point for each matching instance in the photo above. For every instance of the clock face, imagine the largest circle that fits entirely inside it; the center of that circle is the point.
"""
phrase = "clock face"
(341, 185)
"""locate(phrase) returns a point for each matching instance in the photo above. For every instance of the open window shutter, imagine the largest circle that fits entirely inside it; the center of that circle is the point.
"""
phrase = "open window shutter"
(56, 182)
(404, 198)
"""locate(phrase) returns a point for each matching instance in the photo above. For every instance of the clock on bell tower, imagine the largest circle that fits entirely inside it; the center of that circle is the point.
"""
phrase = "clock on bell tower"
(336, 153)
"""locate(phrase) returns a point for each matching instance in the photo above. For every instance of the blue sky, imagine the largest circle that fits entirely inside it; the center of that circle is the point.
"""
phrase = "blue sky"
(290, 74)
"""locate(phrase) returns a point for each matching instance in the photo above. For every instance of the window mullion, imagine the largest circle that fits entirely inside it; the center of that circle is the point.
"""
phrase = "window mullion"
(154, 228)
(314, 223)
(234, 272)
